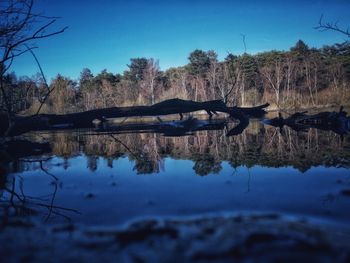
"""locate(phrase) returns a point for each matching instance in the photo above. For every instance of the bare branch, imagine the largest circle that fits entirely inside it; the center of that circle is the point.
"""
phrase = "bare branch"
(38, 63)
(19, 27)
(17, 55)
(35, 36)
(325, 26)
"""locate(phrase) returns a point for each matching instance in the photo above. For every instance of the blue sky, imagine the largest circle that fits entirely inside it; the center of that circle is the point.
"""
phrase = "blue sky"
(105, 34)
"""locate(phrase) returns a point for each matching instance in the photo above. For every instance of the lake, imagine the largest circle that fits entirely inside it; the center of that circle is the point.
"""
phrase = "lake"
(122, 190)
(97, 178)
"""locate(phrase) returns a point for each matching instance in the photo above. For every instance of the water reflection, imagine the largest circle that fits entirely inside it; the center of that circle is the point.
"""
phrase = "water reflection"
(255, 145)
(337, 122)
(48, 173)
(16, 203)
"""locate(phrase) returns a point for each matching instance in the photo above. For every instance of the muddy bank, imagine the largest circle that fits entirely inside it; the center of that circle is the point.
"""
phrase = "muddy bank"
(253, 238)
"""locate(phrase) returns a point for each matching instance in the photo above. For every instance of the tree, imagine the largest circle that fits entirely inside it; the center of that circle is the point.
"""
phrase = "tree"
(86, 77)
(150, 75)
(177, 82)
(300, 49)
(311, 65)
(249, 76)
(212, 73)
(108, 76)
(198, 67)
(229, 76)
(136, 69)
(20, 26)
(63, 96)
(87, 89)
(199, 62)
(206, 164)
(274, 75)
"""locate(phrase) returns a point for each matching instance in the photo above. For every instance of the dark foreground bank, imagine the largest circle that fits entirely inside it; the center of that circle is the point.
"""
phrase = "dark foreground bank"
(249, 238)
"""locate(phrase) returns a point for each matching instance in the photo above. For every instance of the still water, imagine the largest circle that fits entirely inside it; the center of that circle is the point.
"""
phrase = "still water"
(111, 178)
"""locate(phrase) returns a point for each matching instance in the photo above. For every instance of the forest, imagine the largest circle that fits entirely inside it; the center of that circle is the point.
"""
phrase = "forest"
(302, 77)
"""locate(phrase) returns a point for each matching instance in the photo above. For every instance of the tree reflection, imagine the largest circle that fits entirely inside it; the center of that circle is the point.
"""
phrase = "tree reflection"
(206, 164)
(256, 144)
(92, 162)
(15, 203)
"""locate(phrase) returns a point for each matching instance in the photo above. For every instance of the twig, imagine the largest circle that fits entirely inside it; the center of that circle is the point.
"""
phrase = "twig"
(44, 78)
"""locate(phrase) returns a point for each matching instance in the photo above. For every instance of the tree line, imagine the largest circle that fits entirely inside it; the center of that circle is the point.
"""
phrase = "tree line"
(297, 78)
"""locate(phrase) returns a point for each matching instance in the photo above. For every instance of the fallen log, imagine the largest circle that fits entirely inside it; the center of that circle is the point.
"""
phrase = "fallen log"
(256, 112)
(86, 119)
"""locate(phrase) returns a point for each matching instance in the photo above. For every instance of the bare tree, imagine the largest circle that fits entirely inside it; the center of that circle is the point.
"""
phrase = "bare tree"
(20, 27)
(150, 76)
(274, 76)
(311, 79)
(183, 74)
(290, 68)
(178, 80)
(212, 74)
(227, 82)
